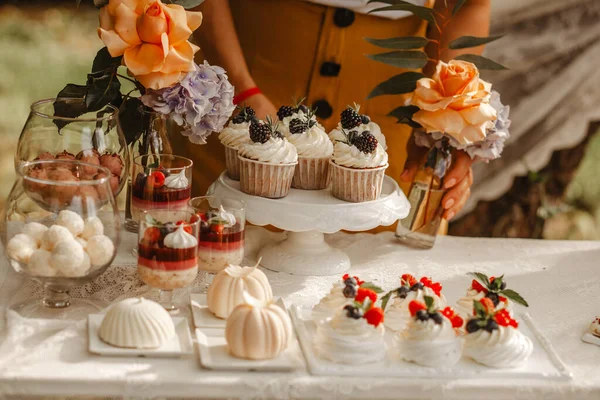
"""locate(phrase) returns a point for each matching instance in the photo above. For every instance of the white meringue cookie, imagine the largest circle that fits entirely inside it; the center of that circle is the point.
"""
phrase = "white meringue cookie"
(100, 249)
(77, 270)
(180, 239)
(20, 247)
(53, 235)
(36, 231)
(70, 220)
(93, 226)
(505, 347)
(177, 181)
(67, 254)
(39, 264)
(82, 242)
(223, 216)
(430, 344)
(397, 315)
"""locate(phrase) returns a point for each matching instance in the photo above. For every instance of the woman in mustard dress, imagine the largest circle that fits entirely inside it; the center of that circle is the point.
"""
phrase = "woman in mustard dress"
(316, 49)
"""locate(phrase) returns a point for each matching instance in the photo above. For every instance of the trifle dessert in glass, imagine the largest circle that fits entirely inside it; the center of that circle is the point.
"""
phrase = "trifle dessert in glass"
(160, 181)
(168, 251)
(222, 227)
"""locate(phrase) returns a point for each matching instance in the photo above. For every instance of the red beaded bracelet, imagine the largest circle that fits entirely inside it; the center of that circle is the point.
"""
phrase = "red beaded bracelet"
(246, 94)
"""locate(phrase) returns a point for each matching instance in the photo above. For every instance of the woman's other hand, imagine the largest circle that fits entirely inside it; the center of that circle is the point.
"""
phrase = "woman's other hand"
(457, 183)
(261, 105)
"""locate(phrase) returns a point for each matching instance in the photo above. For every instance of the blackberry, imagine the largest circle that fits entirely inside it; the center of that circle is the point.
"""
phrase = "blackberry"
(350, 118)
(491, 325)
(349, 291)
(249, 111)
(167, 228)
(204, 227)
(402, 292)
(285, 111)
(422, 315)
(416, 286)
(364, 119)
(239, 119)
(472, 326)
(259, 133)
(302, 108)
(494, 298)
(298, 126)
(366, 142)
(437, 318)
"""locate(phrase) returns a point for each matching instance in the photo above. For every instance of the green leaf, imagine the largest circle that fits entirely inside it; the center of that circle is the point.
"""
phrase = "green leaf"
(422, 12)
(464, 42)
(481, 62)
(102, 89)
(132, 119)
(428, 302)
(372, 286)
(458, 6)
(514, 296)
(402, 42)
(404, 115)
(104, 61)
(385, 299)
(479, 309)
(408, 59)
(187, 4)
(403, 83)
(69, 109)
(483, 278)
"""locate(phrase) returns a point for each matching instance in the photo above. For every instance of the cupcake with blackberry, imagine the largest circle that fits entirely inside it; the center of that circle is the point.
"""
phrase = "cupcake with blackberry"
(493, 338)
(287, 114)
(431, 337)
(314, 151)
(233, 137)
(358, 167)
(397, 312)
(268, 162)
(351, 120)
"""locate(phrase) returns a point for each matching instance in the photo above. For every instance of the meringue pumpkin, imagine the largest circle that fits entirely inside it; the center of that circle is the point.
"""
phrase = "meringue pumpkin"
(257, 329)
(228, 286)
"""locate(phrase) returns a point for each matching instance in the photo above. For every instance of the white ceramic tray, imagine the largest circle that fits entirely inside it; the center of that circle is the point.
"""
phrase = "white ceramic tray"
(203, 318)
(544, 363)
(588, 337)
(180, 345)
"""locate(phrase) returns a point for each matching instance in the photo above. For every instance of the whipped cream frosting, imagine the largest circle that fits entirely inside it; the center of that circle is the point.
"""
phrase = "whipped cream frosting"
(346, 340)
(397, 315)
(235, 135)
(313, 143)
(352, 157)
(430, 344)
(284, 127)
(464, 305)
(177, 181)
(372, 127)
(223, 217)
(505, 347)
(274, 151)
(332, 303)
(180, 239)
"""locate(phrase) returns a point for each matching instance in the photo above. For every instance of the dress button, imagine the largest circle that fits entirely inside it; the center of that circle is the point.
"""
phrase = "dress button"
(330, 69)
(343, 17)
(323, 109)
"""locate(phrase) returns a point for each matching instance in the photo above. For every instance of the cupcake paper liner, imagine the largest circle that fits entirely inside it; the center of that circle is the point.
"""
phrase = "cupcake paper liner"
(311, 173)
(265, 180)
(232, 163)
(356, 185)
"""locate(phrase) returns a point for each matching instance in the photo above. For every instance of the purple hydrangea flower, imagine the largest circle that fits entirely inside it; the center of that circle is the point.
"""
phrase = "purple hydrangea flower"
(201, 103)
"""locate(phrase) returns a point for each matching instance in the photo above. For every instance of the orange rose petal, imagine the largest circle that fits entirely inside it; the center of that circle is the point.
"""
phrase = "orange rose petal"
(194, 19)
(140, 5)
(165, 43)
(114, 4)
(478, 114)
(144, 59)
(106, 22)
(178, 24)
(471, 134)
(125, 24)
(151, 27)
(179, 59)
(158, 80)
(115, 45)
(448, 121)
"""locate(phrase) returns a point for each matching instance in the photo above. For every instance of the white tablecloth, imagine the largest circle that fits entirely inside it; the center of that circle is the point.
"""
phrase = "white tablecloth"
(561, 281)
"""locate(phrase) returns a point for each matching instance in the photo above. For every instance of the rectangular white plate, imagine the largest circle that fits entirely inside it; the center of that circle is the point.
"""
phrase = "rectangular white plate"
(591, 339)
(178, 346)
(544, 363)
(214, 354)
(203, 318)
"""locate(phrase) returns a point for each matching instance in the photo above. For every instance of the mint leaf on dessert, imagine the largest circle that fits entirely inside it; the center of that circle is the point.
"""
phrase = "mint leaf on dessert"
(385, 299)
(372, 286)
(483, 278)
(479, 309)
(514, 296)
(152, 221)
(497, 283)
(428, 302)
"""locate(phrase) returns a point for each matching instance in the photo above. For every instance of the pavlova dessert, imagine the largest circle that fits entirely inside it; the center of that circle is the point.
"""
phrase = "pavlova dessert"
(492, 288)
(355, 335)
(236, 134)
(493, 338)
(350, 119)
(397, 313)
(431, 337)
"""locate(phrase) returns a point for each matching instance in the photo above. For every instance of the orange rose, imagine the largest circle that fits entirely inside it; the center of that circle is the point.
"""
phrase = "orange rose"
(455, 101)
(152, 37)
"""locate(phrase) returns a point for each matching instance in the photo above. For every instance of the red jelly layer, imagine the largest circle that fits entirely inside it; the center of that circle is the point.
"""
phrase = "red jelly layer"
(151, 204)
(222, 246)
(164, 253)
(168, 265)
(162, 194)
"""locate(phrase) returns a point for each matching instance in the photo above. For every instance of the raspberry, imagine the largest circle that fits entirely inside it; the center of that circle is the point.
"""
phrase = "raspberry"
(488, 305)
(358, 281)
(374, 316)
(350, 118)
(457, 321)
(478, 287)
(345, 276)
(435, 286)
(365, 142)
(362, 294)
(503, 299)
(408, 280)
(285, 111)
(448, 312)
(159, 179)
(259, 132)
(415, 306)
(503, 318)
(186, 228)
(152, 234)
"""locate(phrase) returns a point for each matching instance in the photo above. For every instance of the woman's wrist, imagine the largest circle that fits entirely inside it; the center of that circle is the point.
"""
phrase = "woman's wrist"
(241, 97)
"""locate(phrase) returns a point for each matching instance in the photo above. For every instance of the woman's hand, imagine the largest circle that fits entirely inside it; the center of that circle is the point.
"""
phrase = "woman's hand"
(261, 105)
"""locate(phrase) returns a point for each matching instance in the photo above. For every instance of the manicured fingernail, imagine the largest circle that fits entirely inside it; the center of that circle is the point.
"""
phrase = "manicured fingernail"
(450, 216)
(449, 204)
(450, 183)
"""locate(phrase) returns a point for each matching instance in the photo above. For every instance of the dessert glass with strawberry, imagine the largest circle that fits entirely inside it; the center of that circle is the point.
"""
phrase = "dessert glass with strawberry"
(493, 338)
(222, 231)
(432, 337)
(492, 288)
(342, 293)
(160, 181)
(355, 335)
(397, 312)
(168, 251)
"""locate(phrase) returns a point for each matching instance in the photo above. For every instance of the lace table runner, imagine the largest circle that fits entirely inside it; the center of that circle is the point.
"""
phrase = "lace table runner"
(561, 281)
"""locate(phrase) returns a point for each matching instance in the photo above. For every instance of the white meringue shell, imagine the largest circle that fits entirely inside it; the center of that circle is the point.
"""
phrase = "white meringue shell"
(70, 220)
(100, 249)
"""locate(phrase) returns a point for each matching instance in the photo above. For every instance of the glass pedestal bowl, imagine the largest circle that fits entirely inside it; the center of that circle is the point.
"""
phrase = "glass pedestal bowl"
(60, 227)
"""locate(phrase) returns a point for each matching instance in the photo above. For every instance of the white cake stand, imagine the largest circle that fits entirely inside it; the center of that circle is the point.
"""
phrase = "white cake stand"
(307, 215)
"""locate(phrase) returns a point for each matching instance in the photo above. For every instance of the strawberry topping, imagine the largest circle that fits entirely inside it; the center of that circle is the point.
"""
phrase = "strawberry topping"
(415, 306)
(408, 280)
(478, 287)
(488, 305)
(435, 286)
(362, 294)
(374, 316)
